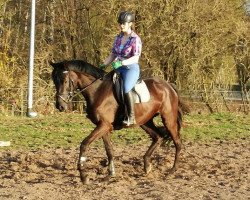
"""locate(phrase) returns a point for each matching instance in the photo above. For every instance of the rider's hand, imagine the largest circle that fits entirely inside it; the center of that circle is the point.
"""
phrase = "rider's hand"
(116, 64)
(102, 66)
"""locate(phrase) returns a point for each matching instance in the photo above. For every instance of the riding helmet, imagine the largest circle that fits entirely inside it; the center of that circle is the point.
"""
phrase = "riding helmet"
(125, 16)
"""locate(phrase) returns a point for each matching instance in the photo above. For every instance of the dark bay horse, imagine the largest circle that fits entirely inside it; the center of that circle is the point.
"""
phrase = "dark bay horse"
(103, 109)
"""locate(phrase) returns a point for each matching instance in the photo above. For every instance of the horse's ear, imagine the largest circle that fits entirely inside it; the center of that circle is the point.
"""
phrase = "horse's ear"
(52, 64)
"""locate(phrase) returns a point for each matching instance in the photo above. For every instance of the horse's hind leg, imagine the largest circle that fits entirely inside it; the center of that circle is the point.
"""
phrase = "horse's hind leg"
(171, 125)
(154, 133)
(109, 151)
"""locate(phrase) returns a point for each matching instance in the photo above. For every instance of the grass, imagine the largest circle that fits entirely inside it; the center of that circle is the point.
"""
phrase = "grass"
(68, 130)
(216, 126)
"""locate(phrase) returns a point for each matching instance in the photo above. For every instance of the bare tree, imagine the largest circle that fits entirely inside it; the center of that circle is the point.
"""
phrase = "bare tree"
(198, 45)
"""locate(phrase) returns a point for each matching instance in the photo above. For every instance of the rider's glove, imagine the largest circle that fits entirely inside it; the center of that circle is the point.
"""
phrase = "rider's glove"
(116, 64)
(102, 66)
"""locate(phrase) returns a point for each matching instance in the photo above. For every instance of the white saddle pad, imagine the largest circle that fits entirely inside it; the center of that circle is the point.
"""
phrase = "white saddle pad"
(143, 94)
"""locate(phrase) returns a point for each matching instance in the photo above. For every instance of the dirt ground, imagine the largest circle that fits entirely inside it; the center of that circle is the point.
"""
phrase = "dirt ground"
(208, 170)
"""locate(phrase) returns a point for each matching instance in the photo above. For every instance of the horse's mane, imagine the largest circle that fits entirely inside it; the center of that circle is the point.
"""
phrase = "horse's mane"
(84, 67)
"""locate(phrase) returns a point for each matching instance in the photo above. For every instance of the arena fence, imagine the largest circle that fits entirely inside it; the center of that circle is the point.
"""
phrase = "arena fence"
(13, 101)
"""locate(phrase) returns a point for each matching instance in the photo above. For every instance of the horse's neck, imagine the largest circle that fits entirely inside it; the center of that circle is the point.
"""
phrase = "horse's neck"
(96, 91)
(89, 88)
(92, 89)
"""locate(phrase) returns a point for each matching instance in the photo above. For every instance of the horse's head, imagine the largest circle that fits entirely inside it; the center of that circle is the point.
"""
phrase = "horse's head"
(71, 75)
(65, 83)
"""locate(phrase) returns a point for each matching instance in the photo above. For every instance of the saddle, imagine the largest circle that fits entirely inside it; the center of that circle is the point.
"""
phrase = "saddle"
(140, 91)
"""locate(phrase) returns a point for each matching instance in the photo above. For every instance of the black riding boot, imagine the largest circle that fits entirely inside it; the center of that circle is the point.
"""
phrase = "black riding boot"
(129, 101)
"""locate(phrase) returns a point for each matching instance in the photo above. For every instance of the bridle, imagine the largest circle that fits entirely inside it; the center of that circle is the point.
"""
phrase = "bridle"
(71, 94)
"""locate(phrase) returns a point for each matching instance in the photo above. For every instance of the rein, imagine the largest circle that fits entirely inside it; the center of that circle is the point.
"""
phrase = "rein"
(72, 94)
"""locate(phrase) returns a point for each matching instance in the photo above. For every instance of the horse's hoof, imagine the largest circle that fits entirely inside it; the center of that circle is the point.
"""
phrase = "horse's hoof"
(112, 174)
(148, 169)
(172, 170)
(108, 178)
(85, 180)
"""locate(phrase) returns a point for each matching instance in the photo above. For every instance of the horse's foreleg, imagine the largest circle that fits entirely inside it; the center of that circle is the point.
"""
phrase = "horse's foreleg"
(109, 151)
(98, 132)
(150, 128)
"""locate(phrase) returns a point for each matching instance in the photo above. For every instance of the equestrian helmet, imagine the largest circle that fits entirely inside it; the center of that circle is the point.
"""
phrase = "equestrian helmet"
(125, 16)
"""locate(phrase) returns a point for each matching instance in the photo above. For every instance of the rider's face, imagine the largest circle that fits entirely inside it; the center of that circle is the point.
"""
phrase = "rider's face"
(125, 27)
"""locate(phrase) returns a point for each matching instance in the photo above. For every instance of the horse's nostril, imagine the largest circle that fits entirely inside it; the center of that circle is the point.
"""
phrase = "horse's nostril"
(61, 108)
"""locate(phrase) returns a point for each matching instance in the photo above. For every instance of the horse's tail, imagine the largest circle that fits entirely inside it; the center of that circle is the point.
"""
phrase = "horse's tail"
(182, 105)
(179, 119)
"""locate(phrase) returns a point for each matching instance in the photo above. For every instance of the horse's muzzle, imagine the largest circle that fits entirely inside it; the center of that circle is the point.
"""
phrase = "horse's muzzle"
(61, 108)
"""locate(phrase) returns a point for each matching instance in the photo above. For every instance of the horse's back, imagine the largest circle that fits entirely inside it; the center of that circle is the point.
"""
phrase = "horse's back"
(158, 85)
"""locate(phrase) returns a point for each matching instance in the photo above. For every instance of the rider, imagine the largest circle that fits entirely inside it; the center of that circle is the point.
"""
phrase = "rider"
(124, 57)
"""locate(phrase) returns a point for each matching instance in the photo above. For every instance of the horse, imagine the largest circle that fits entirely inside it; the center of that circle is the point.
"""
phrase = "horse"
(103, 109)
